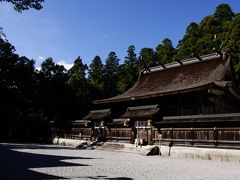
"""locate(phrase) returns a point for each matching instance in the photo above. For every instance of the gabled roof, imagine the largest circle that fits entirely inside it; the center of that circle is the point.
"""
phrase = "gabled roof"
(141, 112)
(119, 122)
(98, 115)
(191, 75)
(79, 122)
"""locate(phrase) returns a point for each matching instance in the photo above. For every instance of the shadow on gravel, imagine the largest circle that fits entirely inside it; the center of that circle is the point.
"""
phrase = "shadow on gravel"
(16, 165)
(105, 177)
(33, 146)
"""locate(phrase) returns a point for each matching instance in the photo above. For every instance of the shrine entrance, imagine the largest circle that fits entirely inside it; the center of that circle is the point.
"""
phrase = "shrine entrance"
(99, 132)
(142, 133)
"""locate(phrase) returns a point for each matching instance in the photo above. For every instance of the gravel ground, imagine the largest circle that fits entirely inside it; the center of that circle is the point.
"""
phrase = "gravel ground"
(29, 161)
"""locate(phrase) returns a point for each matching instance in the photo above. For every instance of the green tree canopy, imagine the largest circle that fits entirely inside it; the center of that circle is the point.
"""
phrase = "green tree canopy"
(147, 58)
(165, 51)
(111, 74)
(77, 74)
(96, 72)
(79, 84)
(131, 58)
(223, 13)
(129, 71)
(52, 70)
(20, 5)
(213, 34)
(112, 63)
(16, 87)
(50, 88)
(188, 44)
(207, 36)
(232, 41)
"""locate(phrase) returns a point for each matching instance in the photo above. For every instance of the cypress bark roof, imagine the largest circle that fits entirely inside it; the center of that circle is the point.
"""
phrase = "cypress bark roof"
(141, 112)
(194, 74)
(98, 115)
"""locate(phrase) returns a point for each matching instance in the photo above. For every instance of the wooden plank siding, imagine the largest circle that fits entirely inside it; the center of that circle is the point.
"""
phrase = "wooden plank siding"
(80, 133)
(215, 130)
(198, 136)
(119, 134)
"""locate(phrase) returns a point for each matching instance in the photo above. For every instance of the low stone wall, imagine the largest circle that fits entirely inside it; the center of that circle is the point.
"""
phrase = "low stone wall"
(67, 142)
(217, 154)
(201, 153)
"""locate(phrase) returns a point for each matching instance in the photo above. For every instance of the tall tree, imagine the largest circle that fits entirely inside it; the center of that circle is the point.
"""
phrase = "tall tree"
(165, 51)
(52, 70)
(96, 72)
(51, 87)
(78, 82)
(111, 73)
(232, 41)
(209, 35)
(96, 80)
(223, 13)
(188, 45)
(16, 88)
(77, 74)
(129, 71)
(147, 58)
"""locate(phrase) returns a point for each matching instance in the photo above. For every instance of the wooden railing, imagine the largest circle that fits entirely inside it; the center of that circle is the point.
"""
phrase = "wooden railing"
(203, 133)
(80, 133)
(198, 136)
(119, 134)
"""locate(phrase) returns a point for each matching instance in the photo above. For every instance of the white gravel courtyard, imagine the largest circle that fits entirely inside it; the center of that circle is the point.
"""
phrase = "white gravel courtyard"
(29, 161)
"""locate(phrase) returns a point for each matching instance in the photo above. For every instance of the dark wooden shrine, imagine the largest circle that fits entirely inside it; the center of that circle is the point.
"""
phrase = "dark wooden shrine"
(190, 102)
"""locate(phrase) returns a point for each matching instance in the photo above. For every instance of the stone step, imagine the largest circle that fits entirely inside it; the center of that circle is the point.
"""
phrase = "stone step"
(112, 146)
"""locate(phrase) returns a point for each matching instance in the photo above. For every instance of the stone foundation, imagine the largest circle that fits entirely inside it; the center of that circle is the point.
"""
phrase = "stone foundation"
(67, 142)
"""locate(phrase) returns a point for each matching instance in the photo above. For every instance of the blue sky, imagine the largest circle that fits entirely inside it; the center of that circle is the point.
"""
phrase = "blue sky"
(66, 29)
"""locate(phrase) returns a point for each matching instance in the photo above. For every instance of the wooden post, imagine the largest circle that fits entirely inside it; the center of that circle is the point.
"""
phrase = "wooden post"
(171, 134)
(192, 136)
(215, 136)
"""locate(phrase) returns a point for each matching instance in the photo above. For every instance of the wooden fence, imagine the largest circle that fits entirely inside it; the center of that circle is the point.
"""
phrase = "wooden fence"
(119, 134)
(80, 133)
(216, 130)
(198, 136)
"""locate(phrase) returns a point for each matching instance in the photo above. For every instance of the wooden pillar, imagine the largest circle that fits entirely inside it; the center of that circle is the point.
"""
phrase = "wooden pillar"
(215, 136)
(150, 131)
